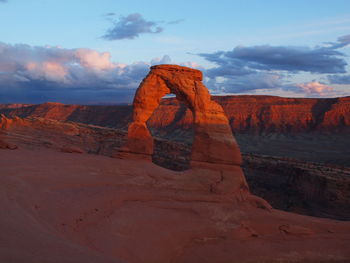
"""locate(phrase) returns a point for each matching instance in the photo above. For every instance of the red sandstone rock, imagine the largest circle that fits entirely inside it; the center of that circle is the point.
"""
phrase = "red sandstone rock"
(246, 114)
(213, 139)
(264, 114)
(86, 208)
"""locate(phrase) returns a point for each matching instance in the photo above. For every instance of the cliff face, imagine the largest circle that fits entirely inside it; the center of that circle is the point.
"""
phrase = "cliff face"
(246, 114)
(266, 114)
(110, 116)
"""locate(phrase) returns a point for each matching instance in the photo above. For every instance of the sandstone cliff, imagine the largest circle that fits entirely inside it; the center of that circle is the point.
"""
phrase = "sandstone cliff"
(246, 114)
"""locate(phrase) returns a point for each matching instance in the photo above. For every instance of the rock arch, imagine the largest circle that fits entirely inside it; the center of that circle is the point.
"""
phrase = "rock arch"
(213, 139)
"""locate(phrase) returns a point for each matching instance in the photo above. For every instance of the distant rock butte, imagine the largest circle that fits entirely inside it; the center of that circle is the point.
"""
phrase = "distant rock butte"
(213, 140)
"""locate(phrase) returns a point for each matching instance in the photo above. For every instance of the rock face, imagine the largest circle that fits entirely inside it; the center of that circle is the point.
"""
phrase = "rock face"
(213, 140)
(246, 114)
(4, 123)
(265, 114)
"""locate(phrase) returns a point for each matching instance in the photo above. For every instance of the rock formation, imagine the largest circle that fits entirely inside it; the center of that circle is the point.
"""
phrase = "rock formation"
(4, 122)
(246, 114)
(213, 139)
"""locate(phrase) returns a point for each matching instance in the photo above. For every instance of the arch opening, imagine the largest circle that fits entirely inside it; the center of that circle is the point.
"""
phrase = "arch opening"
(172, 130)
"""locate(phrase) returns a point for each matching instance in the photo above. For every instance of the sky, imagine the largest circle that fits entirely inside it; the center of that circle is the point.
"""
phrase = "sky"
(98, 51)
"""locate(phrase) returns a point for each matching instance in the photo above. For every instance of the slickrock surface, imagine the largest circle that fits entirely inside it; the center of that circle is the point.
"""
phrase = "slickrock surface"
(61, 207)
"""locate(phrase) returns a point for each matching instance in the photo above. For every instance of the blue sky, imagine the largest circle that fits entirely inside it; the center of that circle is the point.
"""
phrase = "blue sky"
(97, 51)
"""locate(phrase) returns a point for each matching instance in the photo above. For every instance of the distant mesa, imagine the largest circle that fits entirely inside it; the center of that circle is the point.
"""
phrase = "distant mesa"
(213, 140)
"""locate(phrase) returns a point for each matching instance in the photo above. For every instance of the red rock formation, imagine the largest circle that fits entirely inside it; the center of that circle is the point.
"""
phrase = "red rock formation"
(4, 123)
(246, 114)
(213, 139)
(265, 114)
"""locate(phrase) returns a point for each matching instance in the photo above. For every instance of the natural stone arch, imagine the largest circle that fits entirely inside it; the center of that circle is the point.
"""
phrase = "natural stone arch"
(213, 139)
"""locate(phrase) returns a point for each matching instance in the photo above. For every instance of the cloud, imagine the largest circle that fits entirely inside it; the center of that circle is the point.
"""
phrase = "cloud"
(265, 67)
(244, 60)
(3, 1)
(245, 83)
(94, 60)
(342, 41)
(313, 88)
(339, 79)
(38, 74)
(110, 14)
(175, 22)
(164, 60)
(130, 27)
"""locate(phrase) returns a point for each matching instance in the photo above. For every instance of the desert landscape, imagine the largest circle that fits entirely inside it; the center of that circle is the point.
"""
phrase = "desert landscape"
(174, 131)
(77, 192)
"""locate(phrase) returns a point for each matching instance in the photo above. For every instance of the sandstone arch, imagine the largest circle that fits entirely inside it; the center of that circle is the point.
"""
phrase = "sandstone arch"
(213, 139)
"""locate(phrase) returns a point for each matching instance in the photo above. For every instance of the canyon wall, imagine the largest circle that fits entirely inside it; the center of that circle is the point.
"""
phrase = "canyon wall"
(247, 114)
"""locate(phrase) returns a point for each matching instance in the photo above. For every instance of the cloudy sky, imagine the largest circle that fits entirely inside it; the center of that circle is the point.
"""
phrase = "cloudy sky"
(97, 51)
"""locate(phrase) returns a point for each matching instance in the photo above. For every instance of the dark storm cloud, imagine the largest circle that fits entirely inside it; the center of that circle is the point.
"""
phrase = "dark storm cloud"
(245, 83)
(130, 27)
(341, 42)
(257, 82)
(243, 60)
(256, 68)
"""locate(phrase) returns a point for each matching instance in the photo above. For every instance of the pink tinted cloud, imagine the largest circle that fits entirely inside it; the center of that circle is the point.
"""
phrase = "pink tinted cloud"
(92, 59)
(81, 67)
(51, 71)
(314, 88)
